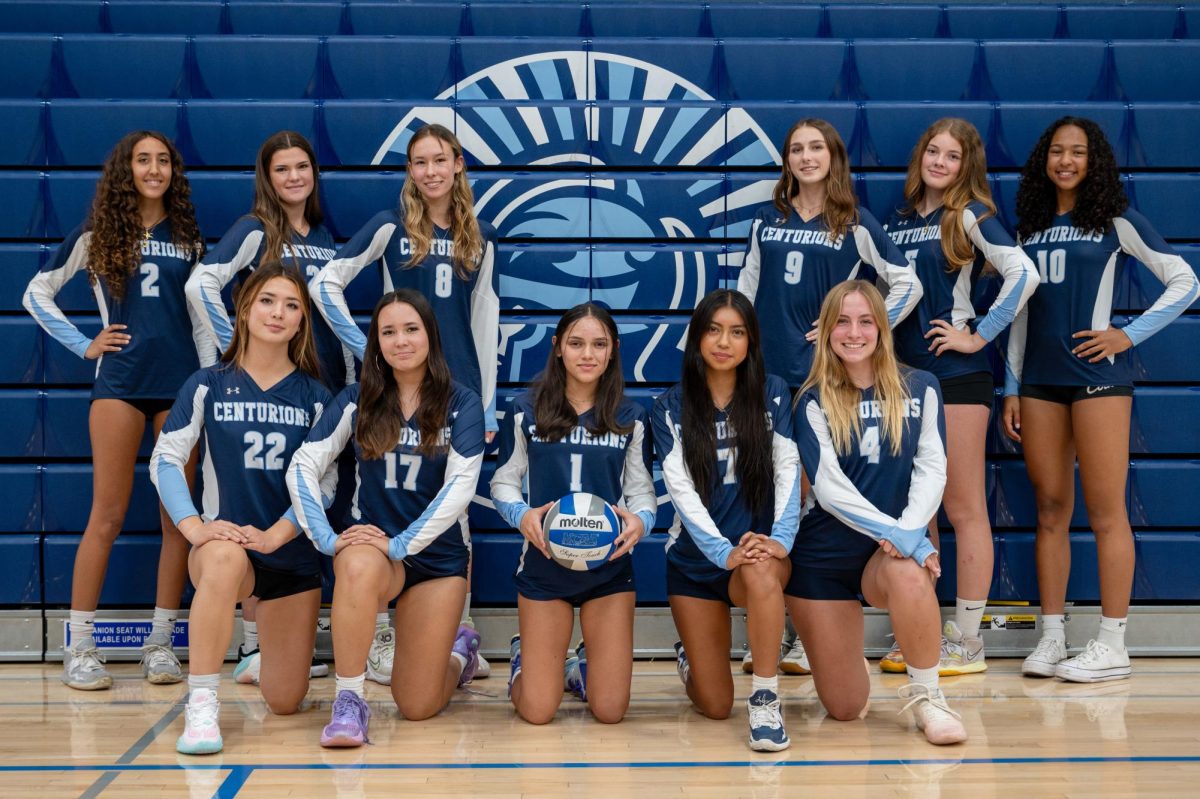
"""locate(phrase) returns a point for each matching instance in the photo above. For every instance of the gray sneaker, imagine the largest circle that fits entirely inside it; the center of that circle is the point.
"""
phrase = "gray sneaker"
(960, 654)
(159, 664)
(83, 667)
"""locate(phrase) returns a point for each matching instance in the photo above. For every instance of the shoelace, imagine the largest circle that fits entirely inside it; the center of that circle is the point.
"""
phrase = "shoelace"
(915, 693)
(766, 715)
(1094, 652)
(346, 707)
(159, 656)
(1045, 648)
(87, 660)
(203, 715)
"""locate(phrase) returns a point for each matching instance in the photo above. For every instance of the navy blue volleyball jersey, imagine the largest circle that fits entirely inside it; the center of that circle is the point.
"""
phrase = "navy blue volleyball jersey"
(160, 354)
(1078, 271)
(250, 434)
(532, 471)
(420, 501)
(468, 311)
(703, 535)
(868, 493)
(948, 293)
(237, 254)
(791, 265)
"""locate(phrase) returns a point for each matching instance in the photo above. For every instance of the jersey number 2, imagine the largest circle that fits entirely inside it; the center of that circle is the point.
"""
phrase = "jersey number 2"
(149, 279)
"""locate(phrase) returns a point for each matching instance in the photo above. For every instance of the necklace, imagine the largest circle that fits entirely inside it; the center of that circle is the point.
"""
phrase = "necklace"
(580, 406)
(805, 209)
(148, 232)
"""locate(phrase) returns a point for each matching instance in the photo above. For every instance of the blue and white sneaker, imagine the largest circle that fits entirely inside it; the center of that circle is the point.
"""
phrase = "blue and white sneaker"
(201, 730)
(575, 672)
(681, 663)
(766, 722)
(248, 667)
(514, 659)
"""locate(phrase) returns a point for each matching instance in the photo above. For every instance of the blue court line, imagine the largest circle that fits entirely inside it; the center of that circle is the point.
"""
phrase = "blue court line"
(139, 746)
(649, 764)
(234, 782)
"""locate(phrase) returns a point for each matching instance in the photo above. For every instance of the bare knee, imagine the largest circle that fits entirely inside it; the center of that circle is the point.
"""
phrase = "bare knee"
(353, 566)
(907, 578)
(537, 712)
(609, 711)
(845, 710)
(284, 701)
(761, 579)
(419, 709)
(714, 707)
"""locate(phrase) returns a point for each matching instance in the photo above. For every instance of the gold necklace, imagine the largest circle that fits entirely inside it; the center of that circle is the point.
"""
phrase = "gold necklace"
(148, 232)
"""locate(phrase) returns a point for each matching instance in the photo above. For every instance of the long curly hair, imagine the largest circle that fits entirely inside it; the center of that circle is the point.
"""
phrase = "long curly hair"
(971, 185)
(841, 203)
(839, 396)
(268, 209)
(115, 249)
(553, 413)
(1099, 199)
(301, 350)
(464, 227)
(379, 416)
(747, 409)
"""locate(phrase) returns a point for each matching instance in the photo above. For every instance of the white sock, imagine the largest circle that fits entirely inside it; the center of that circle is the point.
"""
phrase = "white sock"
(1112, 632)
(466, 614)
(1055, 626)
(927, 677)
(460, 660)
(249, 635)
(81, 624)
(968, 615)
(164, 622)
(352, 684)
(764, 683)
(206, 682)
(382, 622)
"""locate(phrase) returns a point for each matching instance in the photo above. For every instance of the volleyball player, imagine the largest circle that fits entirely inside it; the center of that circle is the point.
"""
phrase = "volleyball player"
(575, 431)
(138, 244)
(433, 243)
(253, 410)
(949, 231)
(724, 438)
(871, 438)
(418, 445)
(1070, 390)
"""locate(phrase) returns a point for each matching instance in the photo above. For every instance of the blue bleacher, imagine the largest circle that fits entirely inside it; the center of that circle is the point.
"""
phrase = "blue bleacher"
(673, 20)
(1169, 356)
(496, 191)
(229, 133)
(142, 66)
(852, 21)
(652, 277)
(52, 16)
(297, 19)
(1165, 566)
(75, 481)
(1022, 125)
(562, 77)
(129, 581)
(22, 142)
(388, 68)
(350, 200)
(894, 128)
(776, 119)
(523, 272)
(25, 64)
(21, 351)
(1169, 201)
(1141, 288)
(1002, 21)
(18, 263)
(68, 200)
(65, 432)
(193, 17)
(220, 199)
(21, 199)
(1015, 505)
(63, 367)
(21, 434)
(83, 132)
(266, 68)
(914, 70)
(21, 570)
(21, 498)
(759, 69)
(1166, 135)
(537, 18)
(1087, 21)
(1163, 493)
(1157, 71)
(356, 129)
(780, 20)
(505, 132)
(1161, 420)
(1046, 71)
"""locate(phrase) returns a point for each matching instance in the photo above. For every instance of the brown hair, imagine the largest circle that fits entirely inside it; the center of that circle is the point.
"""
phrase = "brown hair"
(268, 209)
(301, 349)
(841, 204)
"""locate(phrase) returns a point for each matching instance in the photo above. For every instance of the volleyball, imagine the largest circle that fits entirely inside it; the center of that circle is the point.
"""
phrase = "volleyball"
(581, 530)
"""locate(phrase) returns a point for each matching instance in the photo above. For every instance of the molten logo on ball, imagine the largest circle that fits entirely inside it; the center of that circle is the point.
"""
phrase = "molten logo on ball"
(581, 530)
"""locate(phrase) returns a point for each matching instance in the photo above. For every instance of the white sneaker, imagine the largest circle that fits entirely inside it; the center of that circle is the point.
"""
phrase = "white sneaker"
(795, 660)
(248, 667)
(960, 654)
(1097, 663)
(1045, 657)
(934, 717)
(83, 667)
(201, 730)
(160, 666)
(482, 667)
(380, 656)
(766, 722)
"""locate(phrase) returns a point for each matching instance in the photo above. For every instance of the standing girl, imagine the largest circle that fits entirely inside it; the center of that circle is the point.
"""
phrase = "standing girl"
(871, 440)
(253, 410)
(724, 438)
(137, 246)
(418, 447)
(949, 231)
(1073, 380)
(575, 431)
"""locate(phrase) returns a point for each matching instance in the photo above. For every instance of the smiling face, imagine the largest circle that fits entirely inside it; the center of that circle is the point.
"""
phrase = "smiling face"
(291, 174)
(432, 166)
(403, 340)
(808, 156)
(941, 162)
(1066, 162)
(726, 342)
(151, 165)
(586, 351)
(855, 334)
(277, 312)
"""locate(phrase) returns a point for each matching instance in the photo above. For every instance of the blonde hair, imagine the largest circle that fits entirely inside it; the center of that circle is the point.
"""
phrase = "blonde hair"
(839, 396)
(464, 228)
(970, 185)
(841, 203)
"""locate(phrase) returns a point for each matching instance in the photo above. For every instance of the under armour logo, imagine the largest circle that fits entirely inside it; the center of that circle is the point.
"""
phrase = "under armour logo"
(233, 390)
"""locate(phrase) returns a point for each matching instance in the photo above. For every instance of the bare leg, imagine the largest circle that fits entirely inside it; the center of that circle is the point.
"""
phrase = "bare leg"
(545, 635)
(607, 624)
(1047, 436)
(424, 675)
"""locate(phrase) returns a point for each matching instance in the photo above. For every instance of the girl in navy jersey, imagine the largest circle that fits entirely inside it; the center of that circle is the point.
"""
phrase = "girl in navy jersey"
(284, 225)
(575, 431)
(418, 446)
(812, 237)
(871, 440)
(949, 231)
(724, 438)
(433, 243)
(253, 410)
(137, 246)
(1069, 369)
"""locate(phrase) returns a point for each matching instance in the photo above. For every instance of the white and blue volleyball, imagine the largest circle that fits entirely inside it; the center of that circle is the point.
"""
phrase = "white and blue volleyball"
(581, 530)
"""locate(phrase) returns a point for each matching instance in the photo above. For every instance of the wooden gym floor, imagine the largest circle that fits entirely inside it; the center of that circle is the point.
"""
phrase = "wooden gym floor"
(1029, 739)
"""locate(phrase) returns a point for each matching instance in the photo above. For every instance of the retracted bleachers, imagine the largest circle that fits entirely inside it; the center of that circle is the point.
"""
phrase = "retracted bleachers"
(621, 148)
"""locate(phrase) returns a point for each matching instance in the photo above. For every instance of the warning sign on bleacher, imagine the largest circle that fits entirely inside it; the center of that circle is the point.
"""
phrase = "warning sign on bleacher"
(128, 633)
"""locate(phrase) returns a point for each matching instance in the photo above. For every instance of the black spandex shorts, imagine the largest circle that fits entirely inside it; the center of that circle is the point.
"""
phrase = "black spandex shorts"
(274, 584)
(620, 582)
(976, 388)
(679, 584)
(842, 580)
(1066, 395)
(148, 407)
(415, 574)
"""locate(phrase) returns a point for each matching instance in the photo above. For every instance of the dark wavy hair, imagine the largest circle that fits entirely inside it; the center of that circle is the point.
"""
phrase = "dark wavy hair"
(115, 249)
(379, 416)
(267, 207)
(1101, 197)
(552, 411)
(747, 410)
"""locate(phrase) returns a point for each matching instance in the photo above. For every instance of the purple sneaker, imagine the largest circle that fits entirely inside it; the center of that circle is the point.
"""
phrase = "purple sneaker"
(467, 645)
(348, 727)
